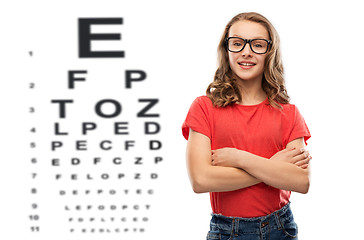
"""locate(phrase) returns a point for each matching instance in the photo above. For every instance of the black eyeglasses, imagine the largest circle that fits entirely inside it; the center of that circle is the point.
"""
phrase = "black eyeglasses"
(237, 44)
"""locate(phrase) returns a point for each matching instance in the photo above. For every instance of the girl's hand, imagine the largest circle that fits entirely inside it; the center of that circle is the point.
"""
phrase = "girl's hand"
(225, 157)
(299, 157)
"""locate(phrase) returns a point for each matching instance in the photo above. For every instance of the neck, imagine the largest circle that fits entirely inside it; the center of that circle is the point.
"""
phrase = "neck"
(251, 92)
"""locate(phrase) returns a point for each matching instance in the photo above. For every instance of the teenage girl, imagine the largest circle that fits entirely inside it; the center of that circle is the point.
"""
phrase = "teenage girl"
(246, 143)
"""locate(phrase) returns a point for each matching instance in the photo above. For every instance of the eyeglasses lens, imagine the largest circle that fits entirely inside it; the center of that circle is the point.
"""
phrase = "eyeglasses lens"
(257, 45)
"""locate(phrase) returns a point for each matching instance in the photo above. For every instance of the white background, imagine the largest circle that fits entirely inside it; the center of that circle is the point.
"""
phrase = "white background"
(175, 43)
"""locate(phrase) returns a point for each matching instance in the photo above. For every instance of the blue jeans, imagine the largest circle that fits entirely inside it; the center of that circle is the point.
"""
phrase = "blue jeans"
(278, 225)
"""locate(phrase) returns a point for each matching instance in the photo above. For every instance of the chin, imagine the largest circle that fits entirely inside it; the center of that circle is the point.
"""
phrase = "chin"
(248, 75)
(245, 77)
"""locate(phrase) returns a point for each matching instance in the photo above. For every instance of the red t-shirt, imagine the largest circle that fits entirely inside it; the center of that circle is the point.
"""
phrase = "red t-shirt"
(259, 129)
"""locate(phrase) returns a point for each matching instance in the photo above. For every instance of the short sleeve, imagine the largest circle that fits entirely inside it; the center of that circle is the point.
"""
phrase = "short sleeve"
(198, 117)
(298, 127)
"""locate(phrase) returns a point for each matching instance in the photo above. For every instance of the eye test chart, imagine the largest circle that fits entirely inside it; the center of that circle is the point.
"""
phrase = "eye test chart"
(86, 115)
(93, 96)
(94, 151)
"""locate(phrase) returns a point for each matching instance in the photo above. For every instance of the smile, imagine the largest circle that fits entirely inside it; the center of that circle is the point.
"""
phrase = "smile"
(246, 64)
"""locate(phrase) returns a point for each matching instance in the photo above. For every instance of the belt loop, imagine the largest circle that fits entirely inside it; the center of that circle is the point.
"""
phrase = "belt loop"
(233, 226)
(276, 215)
(236, 227)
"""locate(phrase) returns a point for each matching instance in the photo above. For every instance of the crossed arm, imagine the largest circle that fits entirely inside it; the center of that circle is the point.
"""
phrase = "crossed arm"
(229, 169)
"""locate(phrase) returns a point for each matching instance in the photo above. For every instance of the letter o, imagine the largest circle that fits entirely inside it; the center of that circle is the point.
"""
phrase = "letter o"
(116, 112)
(105, 176)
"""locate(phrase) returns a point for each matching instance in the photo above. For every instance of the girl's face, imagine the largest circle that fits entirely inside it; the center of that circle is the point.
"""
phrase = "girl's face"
(247, 65)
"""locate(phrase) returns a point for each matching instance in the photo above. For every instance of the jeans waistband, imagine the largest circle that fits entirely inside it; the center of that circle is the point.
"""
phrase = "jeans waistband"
(252, 225)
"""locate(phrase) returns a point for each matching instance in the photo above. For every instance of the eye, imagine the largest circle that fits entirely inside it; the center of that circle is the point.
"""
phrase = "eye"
(236, 42)
(259, 44)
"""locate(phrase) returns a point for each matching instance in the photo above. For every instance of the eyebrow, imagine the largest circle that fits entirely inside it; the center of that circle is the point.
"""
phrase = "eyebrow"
(256, 37)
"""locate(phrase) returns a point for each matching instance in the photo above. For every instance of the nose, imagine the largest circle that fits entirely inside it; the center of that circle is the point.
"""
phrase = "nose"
(247, 50)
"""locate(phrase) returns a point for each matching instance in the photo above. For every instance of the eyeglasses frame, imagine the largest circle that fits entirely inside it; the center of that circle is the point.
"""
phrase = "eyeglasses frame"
(245, 42)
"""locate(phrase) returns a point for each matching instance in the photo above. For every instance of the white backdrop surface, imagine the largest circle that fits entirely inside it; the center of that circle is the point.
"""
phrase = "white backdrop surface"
(175, 43)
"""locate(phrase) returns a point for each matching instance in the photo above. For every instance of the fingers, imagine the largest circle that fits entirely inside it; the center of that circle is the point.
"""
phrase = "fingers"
(305, 166)
(303, 163)
(212, 157)
(296, 151)
(299, 155)
(296, 154)
(288, 149)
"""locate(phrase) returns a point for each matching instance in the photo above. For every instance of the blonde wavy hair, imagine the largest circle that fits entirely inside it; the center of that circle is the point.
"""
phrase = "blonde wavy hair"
(224, 90)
